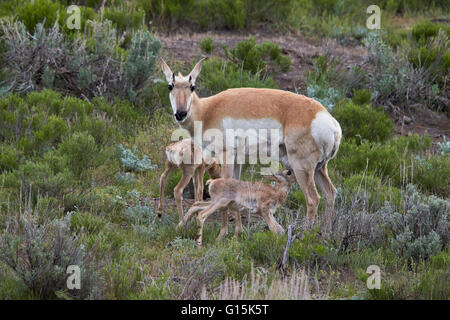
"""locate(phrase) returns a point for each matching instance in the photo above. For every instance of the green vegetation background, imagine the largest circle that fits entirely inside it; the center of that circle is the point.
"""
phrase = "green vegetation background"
(85, 118)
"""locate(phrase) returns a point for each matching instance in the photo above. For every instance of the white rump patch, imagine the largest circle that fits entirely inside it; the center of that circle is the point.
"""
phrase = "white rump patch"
(326, 133)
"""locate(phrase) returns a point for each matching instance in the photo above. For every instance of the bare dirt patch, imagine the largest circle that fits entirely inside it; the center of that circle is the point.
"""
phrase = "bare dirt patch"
(302, 51)
(421, 120)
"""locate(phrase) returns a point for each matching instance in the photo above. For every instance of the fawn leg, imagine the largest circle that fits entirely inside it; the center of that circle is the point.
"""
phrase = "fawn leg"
(162, 183)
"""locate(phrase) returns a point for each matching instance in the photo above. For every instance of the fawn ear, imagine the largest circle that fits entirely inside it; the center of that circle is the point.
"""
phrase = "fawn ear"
(170, 76)
(196, 71)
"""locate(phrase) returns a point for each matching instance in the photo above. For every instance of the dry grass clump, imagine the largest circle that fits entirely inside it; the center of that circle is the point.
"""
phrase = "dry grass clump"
(262, 287)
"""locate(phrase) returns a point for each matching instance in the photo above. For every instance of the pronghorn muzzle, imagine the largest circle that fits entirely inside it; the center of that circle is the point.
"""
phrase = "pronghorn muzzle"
(180, 115)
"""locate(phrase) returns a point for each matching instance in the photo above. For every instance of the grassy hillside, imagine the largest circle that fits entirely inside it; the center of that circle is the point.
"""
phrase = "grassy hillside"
(85, 118)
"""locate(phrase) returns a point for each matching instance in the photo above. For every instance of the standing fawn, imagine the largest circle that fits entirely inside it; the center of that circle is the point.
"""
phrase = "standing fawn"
(309, 136)
(253, 197)
(187, 156)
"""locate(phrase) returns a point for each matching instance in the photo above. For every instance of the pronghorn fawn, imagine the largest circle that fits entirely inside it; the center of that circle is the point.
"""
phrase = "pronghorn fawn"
(309, 136)
(244, 196)
(188, 157)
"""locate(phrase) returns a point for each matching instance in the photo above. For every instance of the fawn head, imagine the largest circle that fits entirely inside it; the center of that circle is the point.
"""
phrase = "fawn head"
(285, 178)
(213, 167)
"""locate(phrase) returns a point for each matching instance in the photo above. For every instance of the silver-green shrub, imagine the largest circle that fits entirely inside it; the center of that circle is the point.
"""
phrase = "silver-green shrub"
(39, 252)
(142, 220)
(93, 64)
(132, 162)
(444, 147)
(421, 228)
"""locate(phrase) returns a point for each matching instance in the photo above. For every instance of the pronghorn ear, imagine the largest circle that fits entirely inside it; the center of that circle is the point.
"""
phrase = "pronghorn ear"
(170, 76)
(196, 71)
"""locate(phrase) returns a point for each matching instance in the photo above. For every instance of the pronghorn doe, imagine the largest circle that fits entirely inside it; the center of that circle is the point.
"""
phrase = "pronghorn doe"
(309, 135)
(187, 156)
(252, 197)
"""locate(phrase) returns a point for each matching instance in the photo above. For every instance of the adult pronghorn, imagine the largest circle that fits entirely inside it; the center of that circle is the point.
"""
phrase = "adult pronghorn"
(309, 135)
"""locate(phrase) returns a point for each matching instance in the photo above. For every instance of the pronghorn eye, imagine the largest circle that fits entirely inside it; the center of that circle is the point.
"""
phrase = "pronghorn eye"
(192, 87)
(170, 86)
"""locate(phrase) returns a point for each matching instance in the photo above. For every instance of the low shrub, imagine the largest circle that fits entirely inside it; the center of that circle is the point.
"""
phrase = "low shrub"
(207, 45)
(265, 247)
(125, 17)
(329, 83)
(86, 222)
(420, 230)
(444, 147)
(95, 60)
(41, 176)
(362, 97)
(131, 161)
(257, 58)
(123, 274)
(424, 31)
(213, 14)
(354, 225)
(9, 158)
(396, 39)
(431, 174)
(308, 249)
(237, 264)
(412, 144)
(218, 75)
(39, 253)
(355, 156)
(34, 12)
(363, 122)
(400, 161)
(80, 151)
(222, 14)
(372, 188)
(413, 75)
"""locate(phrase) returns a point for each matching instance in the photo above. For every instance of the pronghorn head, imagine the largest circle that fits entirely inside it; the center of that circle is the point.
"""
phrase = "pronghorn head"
(181, 90)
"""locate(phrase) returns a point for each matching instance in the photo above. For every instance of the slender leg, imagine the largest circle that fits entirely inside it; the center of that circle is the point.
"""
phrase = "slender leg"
(201, 174)
(227, 172)
(305, 178)
(196, 207)
(224, 228)
(195, 179)
(274, 226)
(329, 192)
(237, 169)
(203, 215)
(188, 172)
(306, 181)
(162, 183)
(237, 223)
